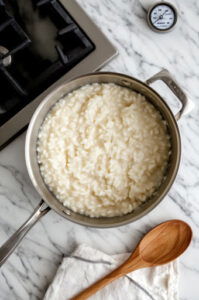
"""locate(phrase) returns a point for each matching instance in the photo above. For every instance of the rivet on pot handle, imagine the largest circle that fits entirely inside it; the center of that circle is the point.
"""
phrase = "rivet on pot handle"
(165, 76)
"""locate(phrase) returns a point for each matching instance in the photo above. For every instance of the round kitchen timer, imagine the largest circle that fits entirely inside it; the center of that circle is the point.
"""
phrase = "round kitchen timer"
(162, 17)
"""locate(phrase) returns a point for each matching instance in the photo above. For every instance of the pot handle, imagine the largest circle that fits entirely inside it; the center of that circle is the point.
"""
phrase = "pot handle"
(165, 76)
(10, 245)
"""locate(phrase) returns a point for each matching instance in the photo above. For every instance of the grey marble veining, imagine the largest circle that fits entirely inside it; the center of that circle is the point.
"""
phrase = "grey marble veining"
(142, 53)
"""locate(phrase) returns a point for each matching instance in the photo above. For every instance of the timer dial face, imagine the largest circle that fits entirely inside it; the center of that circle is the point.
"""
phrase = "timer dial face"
(162, 17)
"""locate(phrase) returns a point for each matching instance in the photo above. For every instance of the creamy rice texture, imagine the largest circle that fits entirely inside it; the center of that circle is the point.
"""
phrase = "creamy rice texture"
(103, 150)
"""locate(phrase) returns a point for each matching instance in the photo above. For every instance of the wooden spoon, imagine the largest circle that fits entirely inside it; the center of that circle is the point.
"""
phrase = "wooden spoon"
(159, 246)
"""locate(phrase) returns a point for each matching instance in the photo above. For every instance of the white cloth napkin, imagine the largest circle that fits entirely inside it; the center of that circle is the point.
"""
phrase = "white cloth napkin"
(86, 265)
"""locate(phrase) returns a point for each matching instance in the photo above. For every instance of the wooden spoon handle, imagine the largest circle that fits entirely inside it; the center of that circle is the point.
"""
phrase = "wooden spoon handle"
(98, 285)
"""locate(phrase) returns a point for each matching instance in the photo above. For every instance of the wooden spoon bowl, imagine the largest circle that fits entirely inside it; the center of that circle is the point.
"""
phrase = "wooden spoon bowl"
(165, 242)
(159, 246)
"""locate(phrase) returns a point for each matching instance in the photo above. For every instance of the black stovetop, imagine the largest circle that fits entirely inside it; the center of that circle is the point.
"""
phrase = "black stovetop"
(43, 41)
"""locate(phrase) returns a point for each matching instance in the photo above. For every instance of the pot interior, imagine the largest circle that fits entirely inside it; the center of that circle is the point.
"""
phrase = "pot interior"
(52, 98)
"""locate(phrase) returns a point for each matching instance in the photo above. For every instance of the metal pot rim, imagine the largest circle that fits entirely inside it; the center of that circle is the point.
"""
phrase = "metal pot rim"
(66, 212)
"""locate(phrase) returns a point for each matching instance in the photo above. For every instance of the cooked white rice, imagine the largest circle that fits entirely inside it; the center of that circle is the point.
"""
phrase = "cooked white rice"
(103, 150)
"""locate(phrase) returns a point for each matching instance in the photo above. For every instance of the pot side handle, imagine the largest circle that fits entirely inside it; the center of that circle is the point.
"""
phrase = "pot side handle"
(10, 245)
(166, 77)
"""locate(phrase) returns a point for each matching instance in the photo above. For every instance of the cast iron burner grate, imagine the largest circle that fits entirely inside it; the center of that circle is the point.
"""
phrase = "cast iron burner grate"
(39, 42)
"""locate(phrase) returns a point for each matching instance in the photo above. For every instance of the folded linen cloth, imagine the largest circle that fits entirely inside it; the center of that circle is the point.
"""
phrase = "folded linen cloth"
(86, 265)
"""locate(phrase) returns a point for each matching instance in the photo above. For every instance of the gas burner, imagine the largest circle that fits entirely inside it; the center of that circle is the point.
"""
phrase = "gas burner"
(5, 60)
(41, 45)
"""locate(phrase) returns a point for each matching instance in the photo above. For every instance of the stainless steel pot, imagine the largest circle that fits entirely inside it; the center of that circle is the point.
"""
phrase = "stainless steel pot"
(33, 169)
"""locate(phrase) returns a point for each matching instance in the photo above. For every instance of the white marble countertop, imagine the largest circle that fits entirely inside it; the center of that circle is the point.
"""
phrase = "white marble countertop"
(142, 53)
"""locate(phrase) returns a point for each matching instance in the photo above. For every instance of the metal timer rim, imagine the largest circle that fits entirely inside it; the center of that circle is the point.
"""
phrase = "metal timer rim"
(150, 12)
